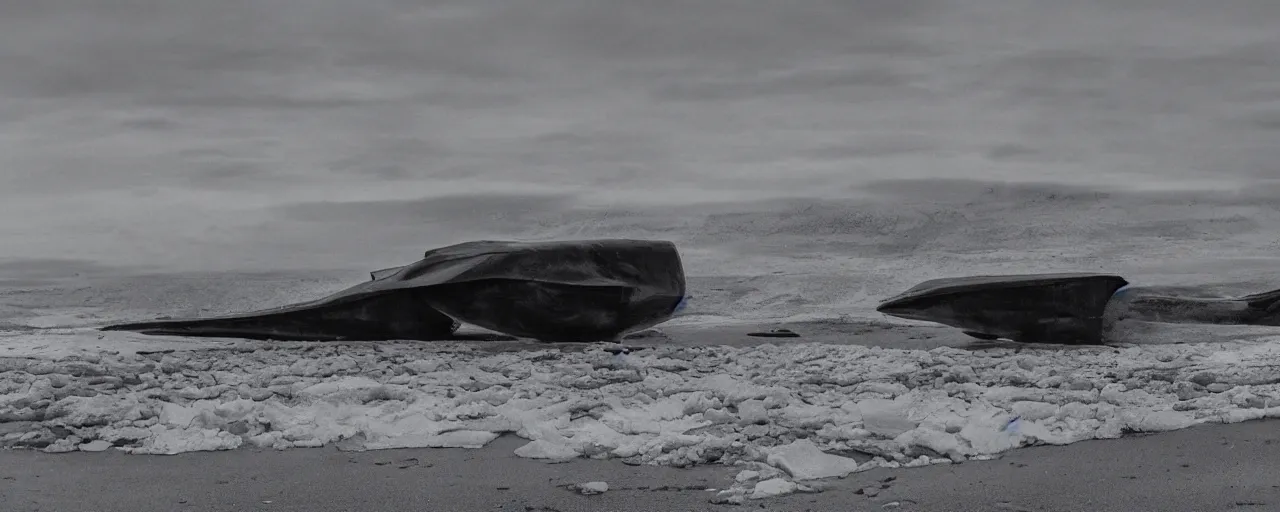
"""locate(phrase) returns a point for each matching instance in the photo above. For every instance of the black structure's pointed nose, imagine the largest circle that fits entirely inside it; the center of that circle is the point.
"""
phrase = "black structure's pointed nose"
(889, 306)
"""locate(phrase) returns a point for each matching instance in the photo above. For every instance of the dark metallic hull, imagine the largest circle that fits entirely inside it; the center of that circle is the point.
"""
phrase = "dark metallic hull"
(1036, 308)
(400, 314)
(555, 291)
(1261, 309)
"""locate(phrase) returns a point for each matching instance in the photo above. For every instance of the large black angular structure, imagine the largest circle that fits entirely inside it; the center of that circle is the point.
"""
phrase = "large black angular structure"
(588, 290)
(1065, 308)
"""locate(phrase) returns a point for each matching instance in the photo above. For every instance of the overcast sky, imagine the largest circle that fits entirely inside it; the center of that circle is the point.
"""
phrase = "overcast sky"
(147, 130)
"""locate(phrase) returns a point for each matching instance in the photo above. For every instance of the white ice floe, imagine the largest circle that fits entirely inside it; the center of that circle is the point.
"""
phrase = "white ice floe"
(773, 487)
(803, 460)
(590, 488)
(809, 410)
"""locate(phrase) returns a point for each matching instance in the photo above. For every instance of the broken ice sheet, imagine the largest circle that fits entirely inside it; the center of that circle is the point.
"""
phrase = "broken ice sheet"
(787, 406)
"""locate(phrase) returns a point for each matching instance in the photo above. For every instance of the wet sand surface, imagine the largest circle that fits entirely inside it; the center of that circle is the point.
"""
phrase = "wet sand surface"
(1221, 467)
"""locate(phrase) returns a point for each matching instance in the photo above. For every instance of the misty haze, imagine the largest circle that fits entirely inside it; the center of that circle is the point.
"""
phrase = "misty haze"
(808, 159)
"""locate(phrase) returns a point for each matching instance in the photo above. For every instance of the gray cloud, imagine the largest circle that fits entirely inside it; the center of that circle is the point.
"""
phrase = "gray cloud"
(872, 147)
(1265, 118)
(460, 210)
(974, 191)
(174, 51)
(224, 175)
(855, 81)
(720, 33)
(151, 124)
(1012, 151)
(169, 117)
(54, 268)
(964, 191)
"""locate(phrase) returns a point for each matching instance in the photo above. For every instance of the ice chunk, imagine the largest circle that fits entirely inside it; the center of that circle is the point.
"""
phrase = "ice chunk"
(941, 442)
(77, 411)
(95, 446)
(1034, 410)
(887, 418)
(803, 460)
(752, 412)
(177, 415)
(590, 488)
(1157, 421)
(987, 436)
(773, 487)
(172, 442)
(339, 386)
(543, 449)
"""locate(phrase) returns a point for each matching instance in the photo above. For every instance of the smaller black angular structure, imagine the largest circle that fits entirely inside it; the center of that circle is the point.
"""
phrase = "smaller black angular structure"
(1038, 308)
(553, 291)
(1151, 305)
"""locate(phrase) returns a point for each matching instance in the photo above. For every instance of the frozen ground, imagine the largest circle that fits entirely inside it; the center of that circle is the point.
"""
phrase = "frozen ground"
(776, 409)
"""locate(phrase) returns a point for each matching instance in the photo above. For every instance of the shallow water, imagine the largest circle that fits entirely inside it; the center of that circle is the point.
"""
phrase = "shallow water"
(807, 260)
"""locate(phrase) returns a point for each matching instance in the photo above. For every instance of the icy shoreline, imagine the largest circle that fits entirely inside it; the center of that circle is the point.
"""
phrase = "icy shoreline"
(771, 408)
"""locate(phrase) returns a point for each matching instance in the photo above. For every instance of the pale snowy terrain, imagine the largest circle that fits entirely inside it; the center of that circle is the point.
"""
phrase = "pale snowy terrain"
(774, 409)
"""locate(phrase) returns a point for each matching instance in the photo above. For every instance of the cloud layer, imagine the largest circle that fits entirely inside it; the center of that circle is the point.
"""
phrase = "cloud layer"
(133, 131)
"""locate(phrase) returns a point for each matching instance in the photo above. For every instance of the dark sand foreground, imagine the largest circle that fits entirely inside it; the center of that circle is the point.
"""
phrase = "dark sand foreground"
(1220, 467)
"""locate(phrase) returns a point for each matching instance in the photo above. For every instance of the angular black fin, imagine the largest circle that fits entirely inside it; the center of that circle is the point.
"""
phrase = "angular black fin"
(400, 314)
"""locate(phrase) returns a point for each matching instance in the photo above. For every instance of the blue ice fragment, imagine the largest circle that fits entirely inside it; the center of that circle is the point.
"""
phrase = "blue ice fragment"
(1012, 425)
